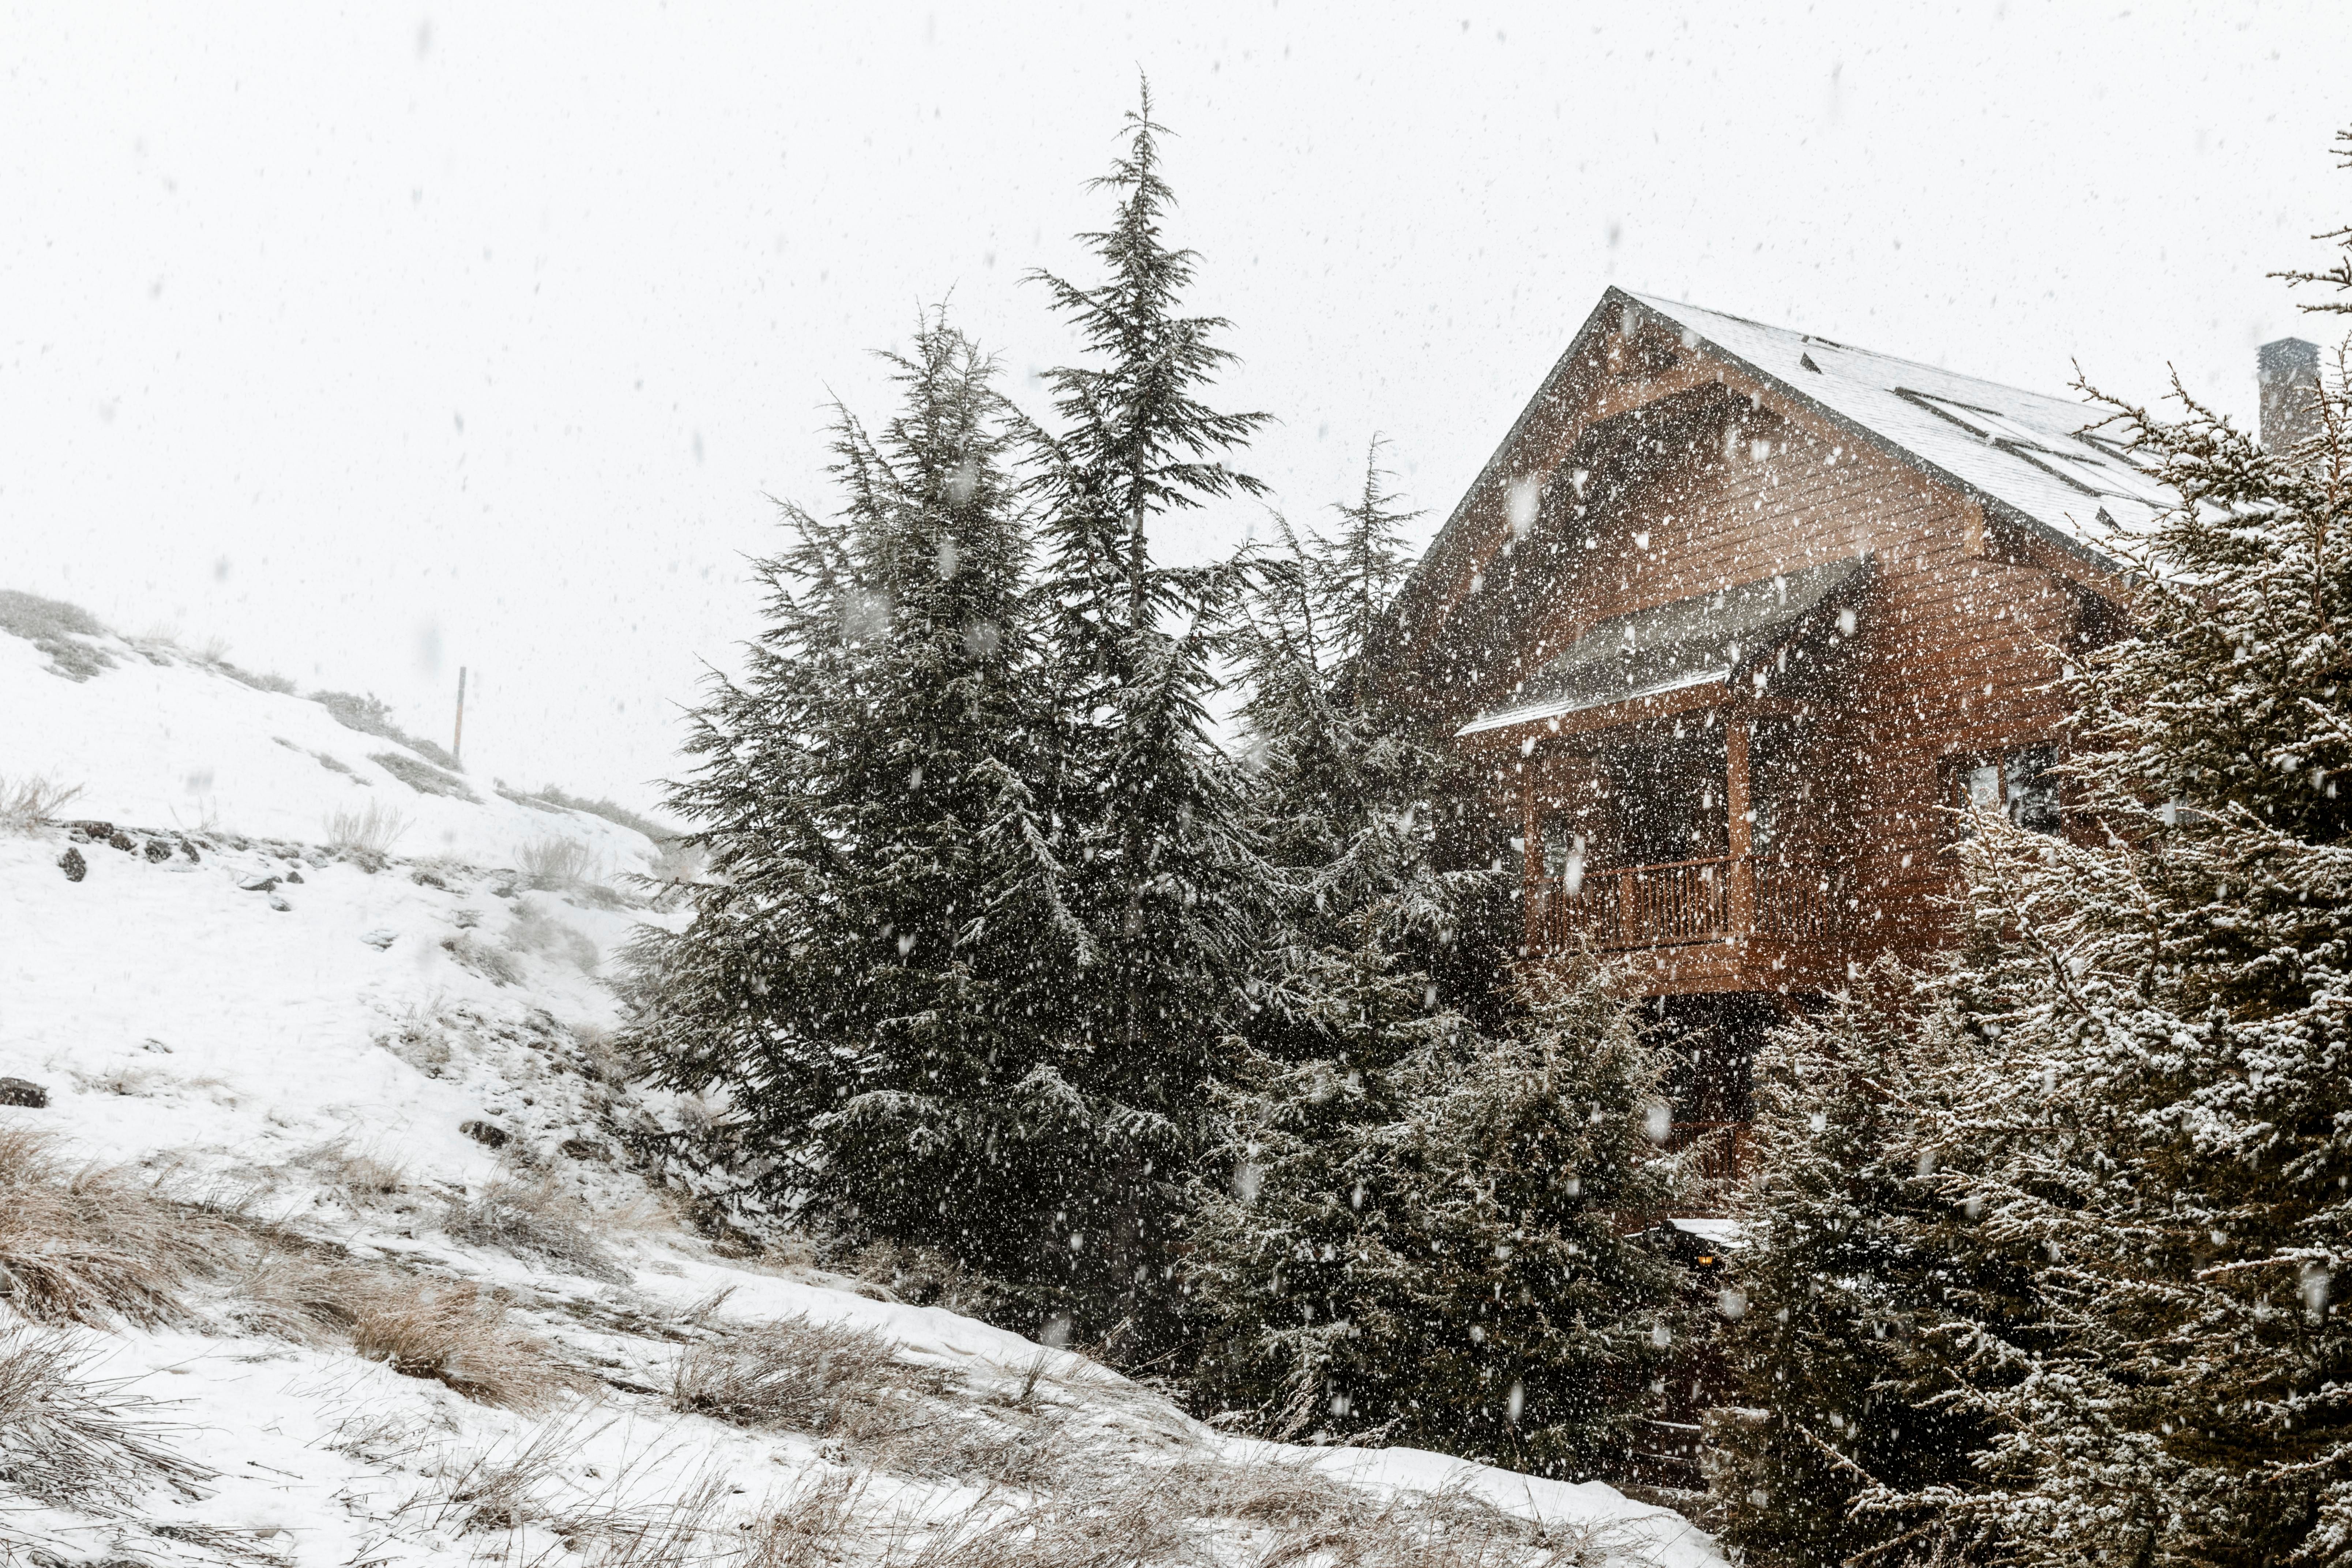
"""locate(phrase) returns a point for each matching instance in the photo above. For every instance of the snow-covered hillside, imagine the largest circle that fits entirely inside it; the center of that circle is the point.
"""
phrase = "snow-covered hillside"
(320, 1241)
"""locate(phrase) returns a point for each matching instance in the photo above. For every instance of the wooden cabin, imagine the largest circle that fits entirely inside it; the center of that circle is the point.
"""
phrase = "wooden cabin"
(1731, 618)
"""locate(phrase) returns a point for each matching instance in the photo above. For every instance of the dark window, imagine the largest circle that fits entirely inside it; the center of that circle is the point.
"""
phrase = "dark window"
(2022, 785)
(1669, 800)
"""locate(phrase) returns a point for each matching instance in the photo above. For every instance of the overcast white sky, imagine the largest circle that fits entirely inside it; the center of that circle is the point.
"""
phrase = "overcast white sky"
(375, 341)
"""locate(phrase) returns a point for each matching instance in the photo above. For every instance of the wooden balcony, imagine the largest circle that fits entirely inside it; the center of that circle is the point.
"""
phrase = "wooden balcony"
(1727, 923)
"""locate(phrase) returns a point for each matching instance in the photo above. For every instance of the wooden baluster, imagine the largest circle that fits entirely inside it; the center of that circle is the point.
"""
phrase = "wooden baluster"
(1739, 821)
(1531, 888)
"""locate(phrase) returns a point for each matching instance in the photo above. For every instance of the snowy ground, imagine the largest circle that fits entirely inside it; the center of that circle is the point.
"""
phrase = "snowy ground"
(324, 1047)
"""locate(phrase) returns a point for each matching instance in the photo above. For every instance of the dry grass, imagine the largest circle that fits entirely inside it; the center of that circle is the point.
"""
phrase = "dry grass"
(72, 1442)
(424, 777)
(491, 964)
(556, 865)
(57, 628)
(1303, 1515)
(536, 931)
(927, 1276)
(452, 1333)
(361, 1176)
(603, 1059)
(534, 1220)
(93, 1244)
(367, 835)
(421, 1038)
(504, 1486)
(27, 803)
(793, 1374)
(692, 1526)
(1143, 1518)
(810, 1527)
(287, 1296)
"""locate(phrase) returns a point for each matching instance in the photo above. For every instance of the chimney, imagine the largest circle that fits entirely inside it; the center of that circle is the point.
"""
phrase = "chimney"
(2287, 371)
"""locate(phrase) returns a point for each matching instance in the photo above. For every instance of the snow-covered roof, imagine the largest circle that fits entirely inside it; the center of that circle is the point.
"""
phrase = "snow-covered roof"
(1697, 641)
(2024, 450)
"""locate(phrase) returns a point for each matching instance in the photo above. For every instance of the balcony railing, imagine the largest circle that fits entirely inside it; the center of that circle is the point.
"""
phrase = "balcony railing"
(1681, 902)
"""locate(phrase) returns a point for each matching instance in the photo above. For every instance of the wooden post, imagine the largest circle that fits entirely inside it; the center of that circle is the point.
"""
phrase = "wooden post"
(1532, 862)
(457, 737)
(1739, 821)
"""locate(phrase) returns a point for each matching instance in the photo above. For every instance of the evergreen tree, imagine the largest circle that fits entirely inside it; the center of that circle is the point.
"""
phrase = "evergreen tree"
(1844, 1277)
(2137, 1127)
(1421, 1241)
(1408, 1223)
(1144, 808)
(877, 930)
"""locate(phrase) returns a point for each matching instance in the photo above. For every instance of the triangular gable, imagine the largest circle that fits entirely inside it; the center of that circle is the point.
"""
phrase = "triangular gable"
(2022, 457)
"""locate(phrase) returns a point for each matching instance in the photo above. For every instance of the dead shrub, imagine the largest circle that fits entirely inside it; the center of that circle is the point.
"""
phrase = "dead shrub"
(72, 1442)
(556, 865)
(366, 836)
(487, 962)
(534, 1220)
(93, 1244)
(794, 1374)
(452, 1333)
(27, 803)
(535, 931)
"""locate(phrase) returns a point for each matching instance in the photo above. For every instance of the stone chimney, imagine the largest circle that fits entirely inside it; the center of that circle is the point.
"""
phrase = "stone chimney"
(2287, 371)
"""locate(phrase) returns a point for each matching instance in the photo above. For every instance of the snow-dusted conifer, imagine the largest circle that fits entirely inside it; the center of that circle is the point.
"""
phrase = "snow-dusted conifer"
(2144, 1126)
(1421, 1238)
(1408, 1224)
(857, 986)
(1844, 1274)
(1145, 810)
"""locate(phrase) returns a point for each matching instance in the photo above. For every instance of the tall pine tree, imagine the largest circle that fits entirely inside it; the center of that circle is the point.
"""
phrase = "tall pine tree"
(1144, 808)
(2116, 1193)
(879, 931)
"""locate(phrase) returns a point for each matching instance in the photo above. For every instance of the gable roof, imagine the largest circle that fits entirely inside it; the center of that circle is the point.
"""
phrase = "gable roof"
(2024, 450)
(2023, 455)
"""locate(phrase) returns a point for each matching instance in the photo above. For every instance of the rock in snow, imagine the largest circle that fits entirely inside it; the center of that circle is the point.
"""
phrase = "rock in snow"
(23, 1091)
(488, 1134)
